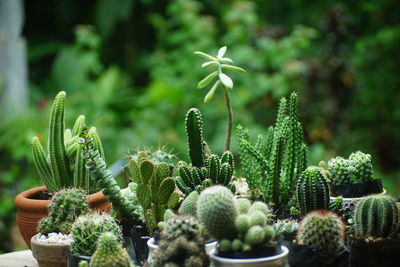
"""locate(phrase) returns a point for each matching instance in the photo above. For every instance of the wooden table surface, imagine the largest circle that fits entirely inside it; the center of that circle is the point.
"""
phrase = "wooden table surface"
(22, 258)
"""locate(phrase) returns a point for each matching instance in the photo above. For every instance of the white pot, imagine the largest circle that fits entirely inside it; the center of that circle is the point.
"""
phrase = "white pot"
(272, 261)
(209, 247)
(347, 200)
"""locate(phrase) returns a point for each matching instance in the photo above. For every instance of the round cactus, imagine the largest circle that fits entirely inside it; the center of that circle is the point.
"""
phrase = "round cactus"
(376, 217)
(255, 235)
(339, 169)
(45, 225)
(87, 229)
(264, 208)
(312, 191)
(323, 230)
(361, 166)
(257, 218)
(242, 223)
(243, 205)
(109, 252)
(181, 225)
(189, 204)
(217, 211)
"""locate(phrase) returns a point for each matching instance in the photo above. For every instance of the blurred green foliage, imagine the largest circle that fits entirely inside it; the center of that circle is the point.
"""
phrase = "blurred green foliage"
(131, 70)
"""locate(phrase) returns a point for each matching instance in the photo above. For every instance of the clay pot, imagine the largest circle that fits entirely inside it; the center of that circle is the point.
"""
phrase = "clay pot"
(31, 210)
(50, 255)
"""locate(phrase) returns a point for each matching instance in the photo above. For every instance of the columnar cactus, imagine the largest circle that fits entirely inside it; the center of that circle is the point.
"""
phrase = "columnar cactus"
(87, 229)
(312, 191)
(339, 169)
(189, 204)
(67, 204)
(194, 132)
(361, 166)
(64, 166)
(181, 244)
(323, 230)
(217, 211)
(376, 217)
(155, 190)
(109, 252)
(276, 160)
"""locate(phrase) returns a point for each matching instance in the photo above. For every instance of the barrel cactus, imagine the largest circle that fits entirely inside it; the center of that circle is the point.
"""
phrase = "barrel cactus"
(361, 166)
(109, 252)
(312, 191)
(339, 170)
(376, 217)
(323, 230)
(189, 204)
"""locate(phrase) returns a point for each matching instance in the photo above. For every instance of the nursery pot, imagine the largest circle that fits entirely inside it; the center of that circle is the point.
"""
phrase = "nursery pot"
(139, 240)
(49, 255)
(74, 260)
(348, 200)
(30, 209)
(357, 190)
(209, 247)
(277, 260)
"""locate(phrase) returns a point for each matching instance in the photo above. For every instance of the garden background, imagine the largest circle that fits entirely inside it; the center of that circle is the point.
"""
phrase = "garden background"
(128, 65)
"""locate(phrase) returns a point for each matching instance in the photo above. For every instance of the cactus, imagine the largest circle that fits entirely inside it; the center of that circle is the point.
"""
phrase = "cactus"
(109, 252)
(194, 132)
(155, 190)
(181, 244)
(339, 169)
(217, 211)
(67, 204)
(87, 229)
(361, 166)
(376, 217)
(64, 166)
(276, 160)
(189, 204)
(323, 230)
(243, 205)
(264, 208)
(312, 191)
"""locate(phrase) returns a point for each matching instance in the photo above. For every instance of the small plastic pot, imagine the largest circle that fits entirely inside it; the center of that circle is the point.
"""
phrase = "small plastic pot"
(139, 241)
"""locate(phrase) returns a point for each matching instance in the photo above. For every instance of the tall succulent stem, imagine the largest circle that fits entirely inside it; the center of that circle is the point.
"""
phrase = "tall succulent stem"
(230, 119)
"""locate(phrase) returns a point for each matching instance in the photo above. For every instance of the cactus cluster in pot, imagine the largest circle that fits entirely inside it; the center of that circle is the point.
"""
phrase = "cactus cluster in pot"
(205, 169)
(64, 164)
(237, 225)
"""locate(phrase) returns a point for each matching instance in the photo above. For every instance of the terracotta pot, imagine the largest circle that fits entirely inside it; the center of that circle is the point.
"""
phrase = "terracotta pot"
(50, 255)
(30, 210)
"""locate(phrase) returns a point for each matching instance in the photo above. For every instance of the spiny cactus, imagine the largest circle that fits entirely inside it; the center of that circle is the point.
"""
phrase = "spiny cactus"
(312, 191)
(276, 160)
(376, 217)
(109, 252)
(194, 132)
(217, 211)
(189, 204)
(338, 167)
(127, 209)
(361, 166)
(155, 190)
(87, 229)
(64, 166)
(181, 244)
(66, 205)
(322, 230)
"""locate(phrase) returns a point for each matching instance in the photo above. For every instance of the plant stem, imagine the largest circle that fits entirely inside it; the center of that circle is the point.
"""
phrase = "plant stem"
(230, 119)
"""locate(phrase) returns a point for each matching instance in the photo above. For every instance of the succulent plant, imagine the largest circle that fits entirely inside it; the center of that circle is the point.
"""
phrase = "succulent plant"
(276, 160)
(189, 204)
(87, 229)
(155, 189)
(323, 230)
(181, 244)
(109, 252)
(238, 231)
(338, 167)
(66, 205)
(286, 228)
(376, 217)
(243, 205)
(312, 191)
(361, 166)
(64, 166)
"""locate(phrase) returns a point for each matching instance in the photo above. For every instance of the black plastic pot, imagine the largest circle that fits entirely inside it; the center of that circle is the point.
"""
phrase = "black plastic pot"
(139, 241)
(357, 190)
(381, 253)
(73, 260)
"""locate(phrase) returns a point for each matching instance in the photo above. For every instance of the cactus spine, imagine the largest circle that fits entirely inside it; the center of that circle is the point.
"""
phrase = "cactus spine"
(194, 132)
(322, 230)
(65, 165)
(339, 170)
(189, 204)
(276, 160)
(376, 217)
(312, 191)
(109, 252)
(361, 166)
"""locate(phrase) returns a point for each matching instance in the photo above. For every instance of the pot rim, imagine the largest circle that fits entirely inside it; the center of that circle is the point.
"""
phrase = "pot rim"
(152, 244)
(384, 192)
(36, 243)
(284, 252)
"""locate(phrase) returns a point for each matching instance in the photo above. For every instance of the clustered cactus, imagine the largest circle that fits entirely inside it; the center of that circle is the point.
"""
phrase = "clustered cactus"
(181, 244)
(276, 160)
(356, 169)
(66, 205)
(312, 191)
(205, 170)
(109, 252)
(64, 166)
(189, 204)
(155, 188)
(87, 229)
(238, 227)
(323, 230)
(376, 217)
